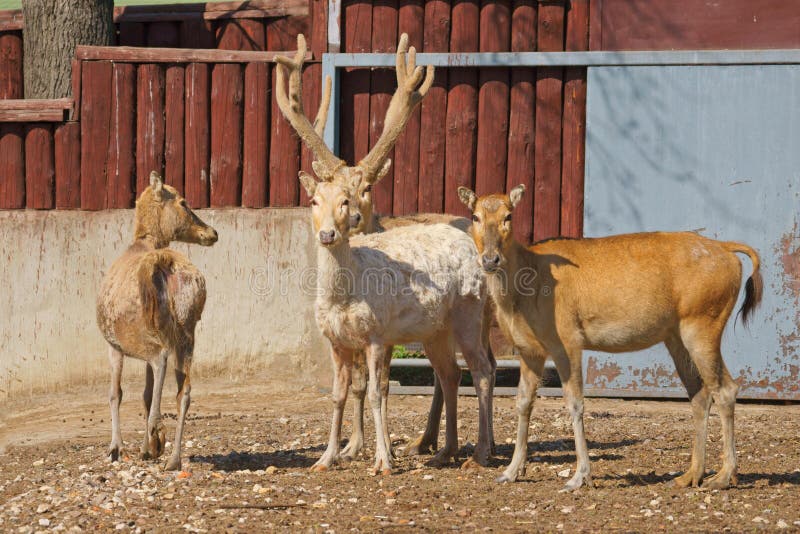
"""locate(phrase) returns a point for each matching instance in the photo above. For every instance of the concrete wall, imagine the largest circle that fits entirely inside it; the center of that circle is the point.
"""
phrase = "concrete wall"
(258, 318)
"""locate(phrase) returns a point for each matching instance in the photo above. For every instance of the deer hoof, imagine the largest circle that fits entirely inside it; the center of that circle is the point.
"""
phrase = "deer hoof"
(173, 464)
(686, 480)
(419, 446)
(472, 464)
(115, 451)
(502, 479)
(319, 468)
(158, 439)
(721, 480)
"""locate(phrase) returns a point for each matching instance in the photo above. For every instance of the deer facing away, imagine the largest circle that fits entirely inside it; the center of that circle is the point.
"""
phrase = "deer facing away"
(615, 294)
(357, 181)
(147, 308)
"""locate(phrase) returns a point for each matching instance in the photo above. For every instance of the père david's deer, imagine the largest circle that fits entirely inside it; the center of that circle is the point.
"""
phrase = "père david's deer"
(148, 306)
(615, 294)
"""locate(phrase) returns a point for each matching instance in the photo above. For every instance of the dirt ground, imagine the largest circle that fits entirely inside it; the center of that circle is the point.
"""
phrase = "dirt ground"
(248, 449)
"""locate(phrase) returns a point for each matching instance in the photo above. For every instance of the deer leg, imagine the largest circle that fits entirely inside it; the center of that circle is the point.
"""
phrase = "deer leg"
(488, 318)
(155, 428)
(115, 358)
(428, 441)
(342, 367)
(726, 402)
(183, 400)
(569, 368)
(147, 397)
(359, 390)
(385, 397)
(376, 358)
(700, 399)
(441, 353)
(531, 368)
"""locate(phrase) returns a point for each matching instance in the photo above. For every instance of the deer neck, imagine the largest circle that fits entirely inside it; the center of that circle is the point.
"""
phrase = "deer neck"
(519, 279)
(336, 273)
(150, 241)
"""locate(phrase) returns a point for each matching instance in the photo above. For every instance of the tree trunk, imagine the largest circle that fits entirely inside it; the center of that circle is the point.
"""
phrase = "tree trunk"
(52, 30)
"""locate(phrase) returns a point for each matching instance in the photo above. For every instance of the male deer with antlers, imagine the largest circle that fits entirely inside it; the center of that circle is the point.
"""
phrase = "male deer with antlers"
(148, 306)
(615, 294)
(411, 90)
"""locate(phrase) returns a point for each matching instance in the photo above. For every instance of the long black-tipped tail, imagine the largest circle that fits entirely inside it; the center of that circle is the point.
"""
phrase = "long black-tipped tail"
(754, 287)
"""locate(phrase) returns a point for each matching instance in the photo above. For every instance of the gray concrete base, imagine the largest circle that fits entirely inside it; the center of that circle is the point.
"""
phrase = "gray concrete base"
(259, 315)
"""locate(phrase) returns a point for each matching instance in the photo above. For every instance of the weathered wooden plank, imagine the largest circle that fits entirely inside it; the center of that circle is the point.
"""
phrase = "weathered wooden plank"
(175, 55)
(491, 161)
(11, 84)
(121, 158)
(436, 38)
(132, 34)
(211, 10)
(96, 90)
(67, 140)
(150, 127)
(163, 34)
(76, 90)
(521, 121)
(11, 20)
(382, 86)
(411, 20)
(596, 25)
(197, 135)
(198, 34)
(226, 135)
(40, 170)
(174, 131)
(462, 108)
(355, 85)
(12, 166)
(31, 115)
(549, 81)
(256, 135)
(59, 104)
(241, 34)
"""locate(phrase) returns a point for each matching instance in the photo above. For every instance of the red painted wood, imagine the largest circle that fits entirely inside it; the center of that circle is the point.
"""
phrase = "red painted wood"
(67, 140)
(150, 127)
(493, 95)
(462, 108)
(355, 84)
(96, 89)
(197, 34)
(411, 20)
(175, 114)
(11, 84)
(382, 87)
(132, 34)
(549, 81)
(121, 166)
(284, 146)
(197, 135)
(319, 28)
(226, 135)
(12, 166)
(241, 34)
(432, 135)
(40, 171)
(76, 90)
(521, 119)
(596, 25)
(256, 135)
(163, 34)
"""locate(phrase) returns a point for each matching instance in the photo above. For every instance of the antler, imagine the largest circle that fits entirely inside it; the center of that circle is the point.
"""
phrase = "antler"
(409, 93)
(292, 108)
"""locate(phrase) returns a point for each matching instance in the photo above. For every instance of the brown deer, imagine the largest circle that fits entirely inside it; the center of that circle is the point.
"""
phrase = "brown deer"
(615, 294)
(357, 180)
(148, 306)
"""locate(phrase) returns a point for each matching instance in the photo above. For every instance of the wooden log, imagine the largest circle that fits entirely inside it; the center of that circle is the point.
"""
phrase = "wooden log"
(549, 81)
(432, 135)
(462, 109)
(596, 25)
(382, 87)
(121, 157)
(132, 33)
(197, 135)
(163, 34)
(67, 140)
(31, 115)
(491, 161)
(96, 90)
(76, 90)
(33, 104)
(12, 166)
(176, 55)
(11, 83)
(241, 34)
(226, 135)
(355, 84)
(174, 131)
(256, 135)
(11, 20)
(150, 127)
(284, 147)
(197, 34)
(40, 170)
(411, 19)
(522, 107)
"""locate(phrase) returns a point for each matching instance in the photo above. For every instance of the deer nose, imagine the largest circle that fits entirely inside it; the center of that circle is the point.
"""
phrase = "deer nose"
(326, 237)
(214, 235)
(490, 262)
(355, 220)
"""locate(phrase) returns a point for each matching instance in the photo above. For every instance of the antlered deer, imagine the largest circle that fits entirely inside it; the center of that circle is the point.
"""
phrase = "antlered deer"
(615, 294)
(148, 306)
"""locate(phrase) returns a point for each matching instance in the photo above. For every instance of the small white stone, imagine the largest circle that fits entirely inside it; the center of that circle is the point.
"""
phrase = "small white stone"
(564, 473)
(44, 522)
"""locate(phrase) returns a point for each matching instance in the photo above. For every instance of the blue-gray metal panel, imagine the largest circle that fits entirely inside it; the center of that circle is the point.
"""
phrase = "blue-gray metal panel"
(714, 149)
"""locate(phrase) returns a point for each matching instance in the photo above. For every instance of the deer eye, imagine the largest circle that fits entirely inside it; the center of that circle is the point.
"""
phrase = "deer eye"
(313, 202)
(345, 202)
(508, 218)
(475, 218)
(367, 190)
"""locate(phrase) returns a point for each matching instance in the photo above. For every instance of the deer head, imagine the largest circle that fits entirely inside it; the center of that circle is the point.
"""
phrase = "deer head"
(491, 225)
(357, 180)
(163, 215)
(330, 210)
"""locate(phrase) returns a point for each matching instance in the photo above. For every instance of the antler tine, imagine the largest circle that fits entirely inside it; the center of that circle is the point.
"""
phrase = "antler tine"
(291, 106)
(409, 93)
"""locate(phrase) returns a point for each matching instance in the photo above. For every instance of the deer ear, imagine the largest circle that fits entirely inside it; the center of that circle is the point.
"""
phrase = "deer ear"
(309, 183)
(321, 170)
(156, 184)
(468, 197)
(516, 195)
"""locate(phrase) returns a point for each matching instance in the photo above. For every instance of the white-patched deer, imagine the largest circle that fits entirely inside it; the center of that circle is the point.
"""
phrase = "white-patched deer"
(615, 294)
(411, 89)
(148, 306)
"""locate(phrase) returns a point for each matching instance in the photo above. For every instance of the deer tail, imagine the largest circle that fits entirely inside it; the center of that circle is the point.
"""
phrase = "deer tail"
(754, 287)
